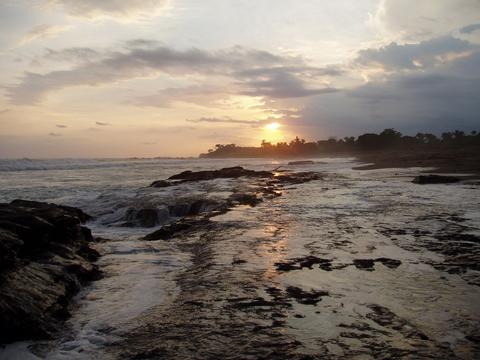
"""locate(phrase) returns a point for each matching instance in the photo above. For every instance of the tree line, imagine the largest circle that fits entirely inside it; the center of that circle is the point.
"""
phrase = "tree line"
(388, 139)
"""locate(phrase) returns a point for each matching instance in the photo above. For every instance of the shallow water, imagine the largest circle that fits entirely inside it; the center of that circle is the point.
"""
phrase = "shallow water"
(197, 296)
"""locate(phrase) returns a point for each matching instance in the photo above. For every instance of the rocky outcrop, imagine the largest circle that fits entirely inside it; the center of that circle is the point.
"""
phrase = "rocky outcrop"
(225, 173)
(44, 260)
(435, 179)
(197, 214)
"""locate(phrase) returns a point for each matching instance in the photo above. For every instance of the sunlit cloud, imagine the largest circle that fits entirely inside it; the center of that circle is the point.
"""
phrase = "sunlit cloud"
(42, 31)
(121, 10)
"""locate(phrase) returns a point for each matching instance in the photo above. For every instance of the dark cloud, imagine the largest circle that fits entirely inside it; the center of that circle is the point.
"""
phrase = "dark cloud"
(99, 123)
(61, 126)
(470, 28)
(444, 98)
(54, 134)
(413, 56)
(279, 82)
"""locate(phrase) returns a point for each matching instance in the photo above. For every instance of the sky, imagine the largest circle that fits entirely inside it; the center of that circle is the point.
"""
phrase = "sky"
(143, 78)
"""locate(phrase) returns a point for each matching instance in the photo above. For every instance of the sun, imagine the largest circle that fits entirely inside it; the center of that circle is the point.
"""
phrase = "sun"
(272, 126)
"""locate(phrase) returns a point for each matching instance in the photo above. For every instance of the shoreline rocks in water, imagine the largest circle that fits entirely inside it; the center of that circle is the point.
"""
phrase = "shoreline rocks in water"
(44, 260)
(198, 214)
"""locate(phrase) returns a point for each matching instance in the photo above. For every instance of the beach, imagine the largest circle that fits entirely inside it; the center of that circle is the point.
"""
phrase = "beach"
(318, 260)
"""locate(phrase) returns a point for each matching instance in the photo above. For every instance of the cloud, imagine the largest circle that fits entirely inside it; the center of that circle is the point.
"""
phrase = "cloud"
(203, 95)
(41, 32)
(414, 56)
(434, 100)
(61, 126)
(415, 20)
(283, 73)
(470, 28)
(228, 120)
(123, 9)
(279, 82)
(99, 123)
(54, 134)
(72, 55)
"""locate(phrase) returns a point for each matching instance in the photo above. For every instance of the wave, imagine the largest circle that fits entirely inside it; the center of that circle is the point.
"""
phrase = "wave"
(27, 164)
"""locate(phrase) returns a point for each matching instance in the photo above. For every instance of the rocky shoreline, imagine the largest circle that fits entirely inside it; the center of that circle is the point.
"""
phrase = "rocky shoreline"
(45, 259)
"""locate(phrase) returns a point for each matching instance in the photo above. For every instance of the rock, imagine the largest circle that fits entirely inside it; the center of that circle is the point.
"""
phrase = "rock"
(306, 297)
(146, 217)
(161, 184)
(169, 231)
(364, 264)
(301, 162)
(196, 207)
(245, 199)
(44, 260)
(225, 173)
(368, 264)
(435, 179)
(304, 262)
(298, 178)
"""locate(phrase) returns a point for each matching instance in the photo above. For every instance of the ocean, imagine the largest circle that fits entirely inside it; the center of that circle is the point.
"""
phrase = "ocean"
(149, 298)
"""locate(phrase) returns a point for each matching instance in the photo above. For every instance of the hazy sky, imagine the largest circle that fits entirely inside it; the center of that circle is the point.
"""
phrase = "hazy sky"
(84, 78)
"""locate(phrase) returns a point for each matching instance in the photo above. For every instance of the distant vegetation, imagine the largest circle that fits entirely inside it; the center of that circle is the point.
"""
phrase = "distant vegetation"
(388, 139)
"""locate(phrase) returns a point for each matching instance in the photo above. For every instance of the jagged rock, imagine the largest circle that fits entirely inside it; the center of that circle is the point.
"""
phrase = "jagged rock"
(435, 179)
(44, 260)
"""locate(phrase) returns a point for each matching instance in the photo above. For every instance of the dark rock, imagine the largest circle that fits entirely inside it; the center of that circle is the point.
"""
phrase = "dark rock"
(306, 297)
(196, 207)
(245, 199)
(168, 231)
(364, 264)
(298, 178)
(161, 184)
(44, 260)
(225, 173)
(304, 262)
(146, 217)
(368, 264)
(390, 263)
(301, 162)
(435, 179)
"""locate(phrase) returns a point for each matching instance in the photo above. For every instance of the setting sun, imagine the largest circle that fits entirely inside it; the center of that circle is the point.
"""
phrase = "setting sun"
(272, 126)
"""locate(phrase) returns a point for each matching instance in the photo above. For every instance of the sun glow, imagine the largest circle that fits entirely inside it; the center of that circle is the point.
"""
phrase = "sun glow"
(272, 126)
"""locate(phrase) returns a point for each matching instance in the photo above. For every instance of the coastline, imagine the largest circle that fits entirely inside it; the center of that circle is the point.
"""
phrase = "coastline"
(456, 162)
